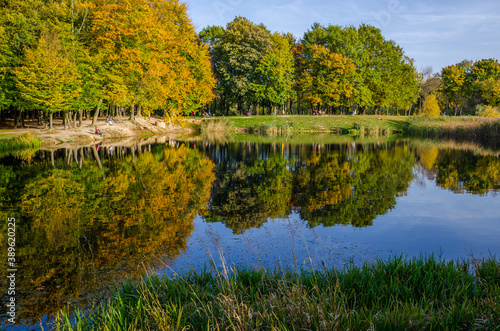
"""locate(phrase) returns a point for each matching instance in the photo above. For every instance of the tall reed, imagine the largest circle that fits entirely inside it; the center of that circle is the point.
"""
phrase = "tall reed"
(420, 293)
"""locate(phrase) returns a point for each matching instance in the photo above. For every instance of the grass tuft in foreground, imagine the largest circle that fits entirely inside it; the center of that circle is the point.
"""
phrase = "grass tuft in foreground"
(398, 294)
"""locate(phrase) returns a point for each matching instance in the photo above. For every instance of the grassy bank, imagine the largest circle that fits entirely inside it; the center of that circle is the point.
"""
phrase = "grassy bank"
(359, 125)
(373, 125)
(13, 142)
(469, 127)
(415, 294)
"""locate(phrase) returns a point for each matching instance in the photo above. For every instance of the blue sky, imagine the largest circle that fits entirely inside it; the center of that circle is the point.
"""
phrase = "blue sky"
(434, 33)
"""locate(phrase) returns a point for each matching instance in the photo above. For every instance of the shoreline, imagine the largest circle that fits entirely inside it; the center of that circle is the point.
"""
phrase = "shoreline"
(469, 128)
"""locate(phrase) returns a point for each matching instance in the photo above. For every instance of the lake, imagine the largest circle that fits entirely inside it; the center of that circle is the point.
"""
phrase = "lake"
(89, 217)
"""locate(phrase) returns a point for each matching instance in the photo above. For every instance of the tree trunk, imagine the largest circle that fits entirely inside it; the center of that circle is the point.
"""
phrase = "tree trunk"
(65, 123)
(51, 125)
(96, 155)
(80, 111)
(132, 117)
(96, 114)
(22, 119)
(81, 158)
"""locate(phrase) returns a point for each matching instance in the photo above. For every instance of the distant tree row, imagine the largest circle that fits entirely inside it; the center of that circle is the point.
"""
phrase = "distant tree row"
(333, 69)
(82, 58)
(465, 88)
(75, 56)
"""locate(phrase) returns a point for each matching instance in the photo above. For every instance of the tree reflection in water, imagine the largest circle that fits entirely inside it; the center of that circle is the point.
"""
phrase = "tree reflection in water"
(90, 216)
(327, 184)
(88, 219)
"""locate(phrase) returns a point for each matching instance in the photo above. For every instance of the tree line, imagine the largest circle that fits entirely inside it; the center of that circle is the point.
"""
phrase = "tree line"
(83, 58)
(465, 88)
(339, 70)
(78, 57)
(331, 69)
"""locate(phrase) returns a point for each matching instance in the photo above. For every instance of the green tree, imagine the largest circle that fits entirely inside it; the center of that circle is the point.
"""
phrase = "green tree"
(21, 24)
(384, 76)
(236, 57)
(277, 70)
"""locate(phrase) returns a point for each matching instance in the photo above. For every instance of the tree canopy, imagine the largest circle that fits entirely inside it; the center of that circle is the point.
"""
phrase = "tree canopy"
(60, 56)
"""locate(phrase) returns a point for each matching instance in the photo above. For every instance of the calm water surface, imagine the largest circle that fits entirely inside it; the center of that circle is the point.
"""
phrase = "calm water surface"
(89, 217)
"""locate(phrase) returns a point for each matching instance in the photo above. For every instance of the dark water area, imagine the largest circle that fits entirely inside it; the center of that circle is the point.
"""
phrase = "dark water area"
(89, 217)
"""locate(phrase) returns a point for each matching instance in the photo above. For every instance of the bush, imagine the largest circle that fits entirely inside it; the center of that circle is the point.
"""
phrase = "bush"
(487, 111)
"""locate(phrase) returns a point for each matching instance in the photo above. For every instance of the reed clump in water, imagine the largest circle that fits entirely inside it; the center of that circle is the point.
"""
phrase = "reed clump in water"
(25, 140)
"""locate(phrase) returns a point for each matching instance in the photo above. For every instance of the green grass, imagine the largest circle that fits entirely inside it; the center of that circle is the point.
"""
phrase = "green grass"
(13, 142)
(358, 125)
(398, 294)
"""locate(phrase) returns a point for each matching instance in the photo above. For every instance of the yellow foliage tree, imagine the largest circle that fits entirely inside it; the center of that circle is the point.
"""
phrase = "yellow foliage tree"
(327, 78)
(431, 106)
(48, 79)
(151, 46)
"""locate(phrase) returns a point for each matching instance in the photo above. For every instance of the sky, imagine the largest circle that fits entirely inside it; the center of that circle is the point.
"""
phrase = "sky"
(435, 33)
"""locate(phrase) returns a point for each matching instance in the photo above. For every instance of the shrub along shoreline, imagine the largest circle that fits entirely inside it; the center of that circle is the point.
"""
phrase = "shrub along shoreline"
(22, 141)
(420, 293)
(362, 125)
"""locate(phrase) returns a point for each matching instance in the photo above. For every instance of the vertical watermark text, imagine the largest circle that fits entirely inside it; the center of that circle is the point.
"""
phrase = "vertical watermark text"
(11, 269)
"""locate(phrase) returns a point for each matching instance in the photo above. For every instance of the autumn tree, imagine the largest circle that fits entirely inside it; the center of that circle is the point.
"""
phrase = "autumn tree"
(491, 91)
(429, 83)
(48, 79)
(327, 78)
(148, 55)
(431, 106)
(454, 84)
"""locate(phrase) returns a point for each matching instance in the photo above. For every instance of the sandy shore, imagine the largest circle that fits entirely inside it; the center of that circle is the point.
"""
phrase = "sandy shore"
(122, 128)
